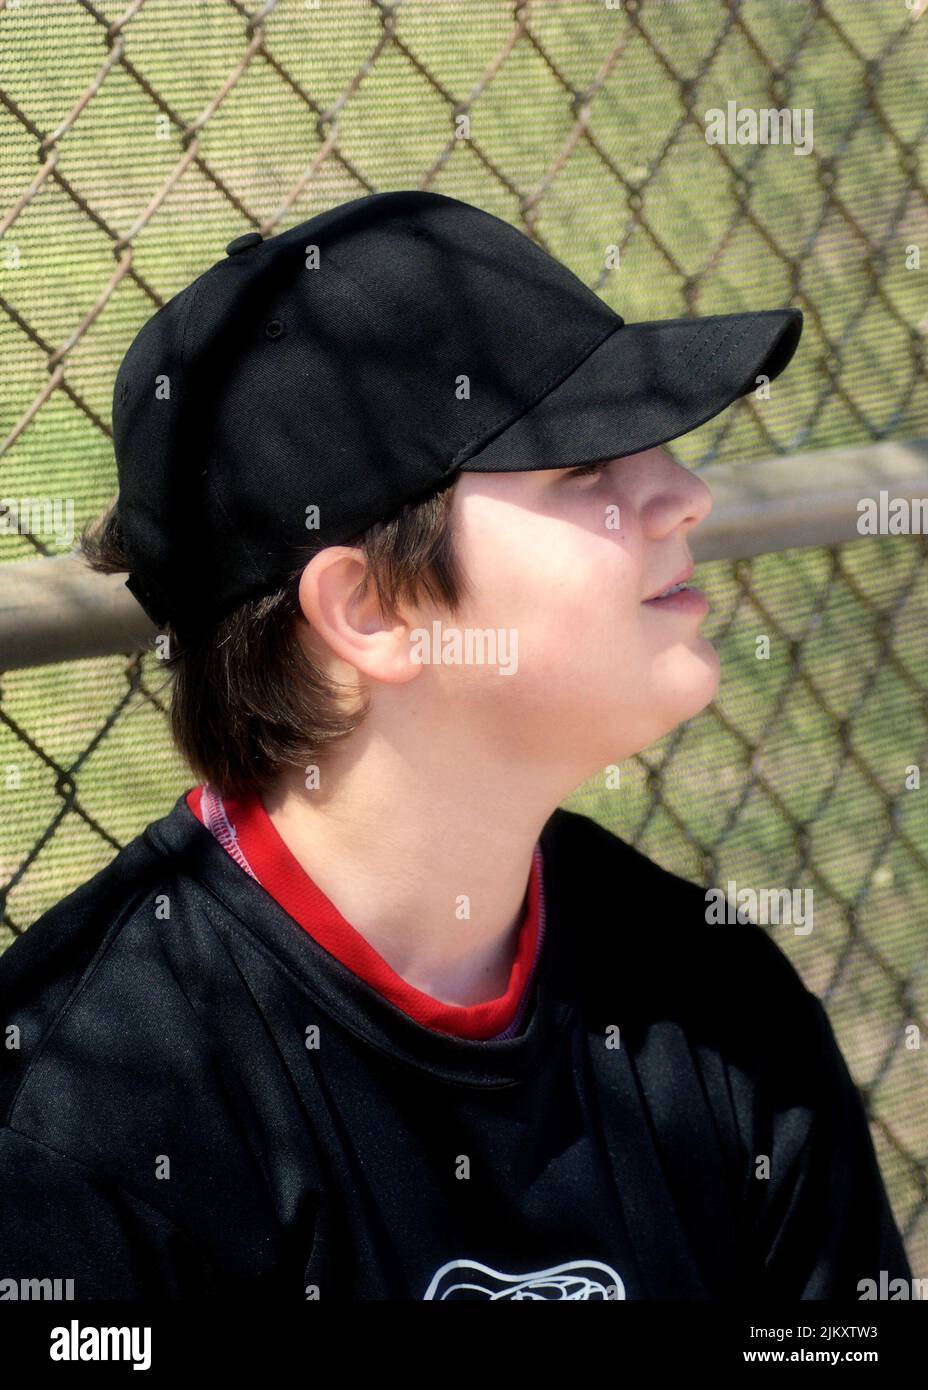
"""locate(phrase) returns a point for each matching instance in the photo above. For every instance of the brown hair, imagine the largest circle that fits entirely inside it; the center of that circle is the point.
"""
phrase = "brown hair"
(246, 698)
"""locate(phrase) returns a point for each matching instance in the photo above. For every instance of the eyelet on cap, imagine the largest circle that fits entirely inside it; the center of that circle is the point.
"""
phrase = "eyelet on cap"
(275, 328)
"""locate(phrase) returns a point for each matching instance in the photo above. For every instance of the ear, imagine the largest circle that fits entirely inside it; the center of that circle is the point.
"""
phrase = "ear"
(348, 619)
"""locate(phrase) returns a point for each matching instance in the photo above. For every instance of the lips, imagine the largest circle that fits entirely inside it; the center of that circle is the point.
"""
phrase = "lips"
(681, 578)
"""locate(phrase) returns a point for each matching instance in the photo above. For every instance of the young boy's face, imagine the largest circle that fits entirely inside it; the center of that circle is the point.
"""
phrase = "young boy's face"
(601, 673)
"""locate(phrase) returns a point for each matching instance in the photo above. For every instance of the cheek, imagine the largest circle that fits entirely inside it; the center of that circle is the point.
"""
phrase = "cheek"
(576, 618)
(567, 593)
(590, 589)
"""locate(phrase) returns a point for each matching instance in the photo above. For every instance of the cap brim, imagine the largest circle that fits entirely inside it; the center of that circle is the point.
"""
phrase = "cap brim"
(645, 384)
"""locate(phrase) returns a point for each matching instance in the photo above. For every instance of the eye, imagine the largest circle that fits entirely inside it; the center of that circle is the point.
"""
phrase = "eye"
(589, 470)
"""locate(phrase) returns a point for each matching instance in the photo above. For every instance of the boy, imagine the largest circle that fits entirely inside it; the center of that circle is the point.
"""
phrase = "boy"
(366, 1015)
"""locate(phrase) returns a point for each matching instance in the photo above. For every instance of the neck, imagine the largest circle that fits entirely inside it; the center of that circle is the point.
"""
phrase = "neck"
(430, 864)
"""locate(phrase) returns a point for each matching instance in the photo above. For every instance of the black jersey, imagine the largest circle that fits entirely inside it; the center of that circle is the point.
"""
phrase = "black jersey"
(197, 1099)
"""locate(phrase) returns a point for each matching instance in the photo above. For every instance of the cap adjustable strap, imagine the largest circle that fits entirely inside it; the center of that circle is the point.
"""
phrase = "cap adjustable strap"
(151, 605)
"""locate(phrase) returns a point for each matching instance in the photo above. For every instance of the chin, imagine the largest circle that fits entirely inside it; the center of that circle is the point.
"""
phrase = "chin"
(693, 692)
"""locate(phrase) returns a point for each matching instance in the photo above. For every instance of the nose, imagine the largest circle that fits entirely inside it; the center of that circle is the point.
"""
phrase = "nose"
(677, 497)
(699, 504)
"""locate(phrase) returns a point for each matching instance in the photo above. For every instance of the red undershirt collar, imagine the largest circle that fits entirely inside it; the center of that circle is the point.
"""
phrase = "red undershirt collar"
(247, 832)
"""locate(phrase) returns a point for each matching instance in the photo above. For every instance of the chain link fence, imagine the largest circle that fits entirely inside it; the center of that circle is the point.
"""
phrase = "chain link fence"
(137, 139)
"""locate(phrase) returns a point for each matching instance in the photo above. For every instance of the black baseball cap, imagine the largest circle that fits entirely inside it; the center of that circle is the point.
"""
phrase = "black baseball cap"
(315, 382)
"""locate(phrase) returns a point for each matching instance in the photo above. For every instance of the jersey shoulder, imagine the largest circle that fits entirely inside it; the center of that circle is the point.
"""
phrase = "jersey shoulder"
(652, 931)
(90, 977)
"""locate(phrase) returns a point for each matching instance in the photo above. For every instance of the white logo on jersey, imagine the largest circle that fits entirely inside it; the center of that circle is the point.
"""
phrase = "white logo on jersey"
(576, 1280)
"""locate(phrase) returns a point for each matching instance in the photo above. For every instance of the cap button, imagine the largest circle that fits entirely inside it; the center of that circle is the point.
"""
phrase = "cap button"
(244, 243)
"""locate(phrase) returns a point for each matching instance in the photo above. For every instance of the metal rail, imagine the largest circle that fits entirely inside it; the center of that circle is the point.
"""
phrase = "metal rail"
(57, 609)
